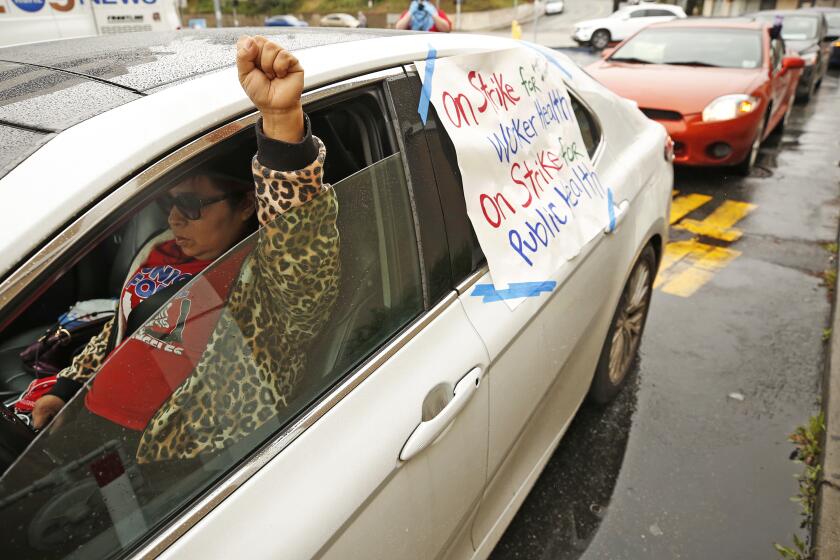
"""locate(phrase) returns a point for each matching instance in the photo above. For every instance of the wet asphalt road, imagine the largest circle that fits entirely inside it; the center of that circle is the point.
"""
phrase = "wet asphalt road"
(675, 467)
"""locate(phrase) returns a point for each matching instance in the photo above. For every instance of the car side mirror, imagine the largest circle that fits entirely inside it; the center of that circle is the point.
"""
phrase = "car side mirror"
(790, 62)
(607, 52)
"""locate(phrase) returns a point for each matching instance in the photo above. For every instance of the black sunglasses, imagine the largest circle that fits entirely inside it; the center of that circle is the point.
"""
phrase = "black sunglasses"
(190, 204)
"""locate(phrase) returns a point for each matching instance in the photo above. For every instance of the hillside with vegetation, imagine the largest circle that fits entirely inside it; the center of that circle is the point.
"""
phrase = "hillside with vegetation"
(271, 7)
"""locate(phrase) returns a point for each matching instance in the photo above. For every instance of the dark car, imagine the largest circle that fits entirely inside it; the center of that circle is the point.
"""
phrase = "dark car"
(806, 33)
(832, 18)
(284, 21)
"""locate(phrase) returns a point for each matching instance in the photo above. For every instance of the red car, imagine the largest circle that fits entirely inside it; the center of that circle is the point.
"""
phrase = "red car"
(718, 86)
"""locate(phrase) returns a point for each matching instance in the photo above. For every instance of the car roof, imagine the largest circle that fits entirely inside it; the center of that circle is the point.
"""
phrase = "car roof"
(713, 23)
(77, 167)
(631, 7)
(48, 87)
(806, 13)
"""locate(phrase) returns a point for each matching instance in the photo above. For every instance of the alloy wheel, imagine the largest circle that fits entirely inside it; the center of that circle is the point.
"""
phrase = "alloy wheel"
(628, 326)
(600, 39)
(746, 165)
(789, 110)
(756, 145)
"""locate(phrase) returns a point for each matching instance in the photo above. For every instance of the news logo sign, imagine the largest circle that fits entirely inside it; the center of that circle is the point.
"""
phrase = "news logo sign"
(30, 5)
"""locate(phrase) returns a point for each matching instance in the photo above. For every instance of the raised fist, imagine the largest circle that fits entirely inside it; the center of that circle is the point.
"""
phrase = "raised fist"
(273, 79)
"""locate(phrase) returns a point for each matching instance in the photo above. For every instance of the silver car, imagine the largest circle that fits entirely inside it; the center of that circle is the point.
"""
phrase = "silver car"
(428, 409)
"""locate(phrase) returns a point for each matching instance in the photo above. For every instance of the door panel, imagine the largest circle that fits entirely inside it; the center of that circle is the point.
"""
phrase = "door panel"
(423, 501)
(544, 352)
(529, 410)
(340, 491)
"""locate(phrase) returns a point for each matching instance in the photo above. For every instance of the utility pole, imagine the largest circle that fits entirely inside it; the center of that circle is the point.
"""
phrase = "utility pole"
(217, 7)
(537, 10)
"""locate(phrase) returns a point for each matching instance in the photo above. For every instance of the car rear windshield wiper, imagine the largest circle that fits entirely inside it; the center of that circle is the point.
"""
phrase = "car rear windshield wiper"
(631, 59)
(692, 63)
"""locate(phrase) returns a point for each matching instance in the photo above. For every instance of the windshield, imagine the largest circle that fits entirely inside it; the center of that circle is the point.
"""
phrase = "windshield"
(726, 48)
(794, 28)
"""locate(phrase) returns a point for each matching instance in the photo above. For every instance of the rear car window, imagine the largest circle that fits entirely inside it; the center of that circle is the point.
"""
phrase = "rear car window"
(794, 28)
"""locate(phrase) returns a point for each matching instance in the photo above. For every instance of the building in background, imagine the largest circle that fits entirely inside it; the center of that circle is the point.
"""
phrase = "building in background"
(738, 7)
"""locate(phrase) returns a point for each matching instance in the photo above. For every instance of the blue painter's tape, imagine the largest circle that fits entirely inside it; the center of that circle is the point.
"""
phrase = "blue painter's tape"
(426, 92)
(549, 58)
(611, 208)
(514, 291)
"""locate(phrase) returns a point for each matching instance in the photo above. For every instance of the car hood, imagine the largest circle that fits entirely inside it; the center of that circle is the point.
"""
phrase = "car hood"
(686, 89)
(595, 22)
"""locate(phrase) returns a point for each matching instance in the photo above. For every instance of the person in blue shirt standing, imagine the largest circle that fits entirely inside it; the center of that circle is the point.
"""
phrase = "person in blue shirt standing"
(423, 15)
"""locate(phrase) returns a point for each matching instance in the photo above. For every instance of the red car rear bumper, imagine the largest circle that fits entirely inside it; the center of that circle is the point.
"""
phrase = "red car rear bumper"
(696, 142)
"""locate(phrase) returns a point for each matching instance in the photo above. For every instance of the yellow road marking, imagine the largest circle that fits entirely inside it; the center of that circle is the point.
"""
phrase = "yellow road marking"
(683, 205)
(692, 278)
(688, 265)
(719, 223)
(675, 252)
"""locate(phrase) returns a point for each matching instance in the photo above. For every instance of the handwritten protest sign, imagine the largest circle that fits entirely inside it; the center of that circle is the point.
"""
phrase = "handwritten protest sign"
(532, 193)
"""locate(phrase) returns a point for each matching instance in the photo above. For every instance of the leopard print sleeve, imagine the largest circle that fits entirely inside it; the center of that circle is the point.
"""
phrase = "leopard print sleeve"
(280, 191)
(87, 363)
(296, 259)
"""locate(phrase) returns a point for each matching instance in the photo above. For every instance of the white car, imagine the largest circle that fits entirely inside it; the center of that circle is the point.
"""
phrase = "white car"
(339, 20)
(483, 393)
(621, 24)
(554, 7)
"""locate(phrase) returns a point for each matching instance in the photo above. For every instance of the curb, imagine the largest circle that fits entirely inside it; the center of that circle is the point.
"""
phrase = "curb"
(826, 527)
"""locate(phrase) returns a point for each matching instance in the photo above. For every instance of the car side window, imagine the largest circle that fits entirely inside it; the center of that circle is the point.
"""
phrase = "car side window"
(639, 13)
(233, 357)
(660, 13)
(589, 128)
(467, 255)
(433, 161)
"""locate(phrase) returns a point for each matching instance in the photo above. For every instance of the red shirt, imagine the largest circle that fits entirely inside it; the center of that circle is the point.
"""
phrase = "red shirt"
(142, 373)
(166, 265)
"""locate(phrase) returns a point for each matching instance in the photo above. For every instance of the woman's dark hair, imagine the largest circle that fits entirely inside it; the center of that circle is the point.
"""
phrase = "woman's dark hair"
(230, 171)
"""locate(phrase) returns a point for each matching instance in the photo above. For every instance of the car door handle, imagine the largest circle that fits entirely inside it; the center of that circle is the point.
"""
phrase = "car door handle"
(427, 432)
(620, 213)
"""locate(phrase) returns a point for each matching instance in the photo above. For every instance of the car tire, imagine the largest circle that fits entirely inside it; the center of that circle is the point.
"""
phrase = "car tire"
(600, 39)
(626, 329)
(811, 89)
(746, 165)
(783, 124)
